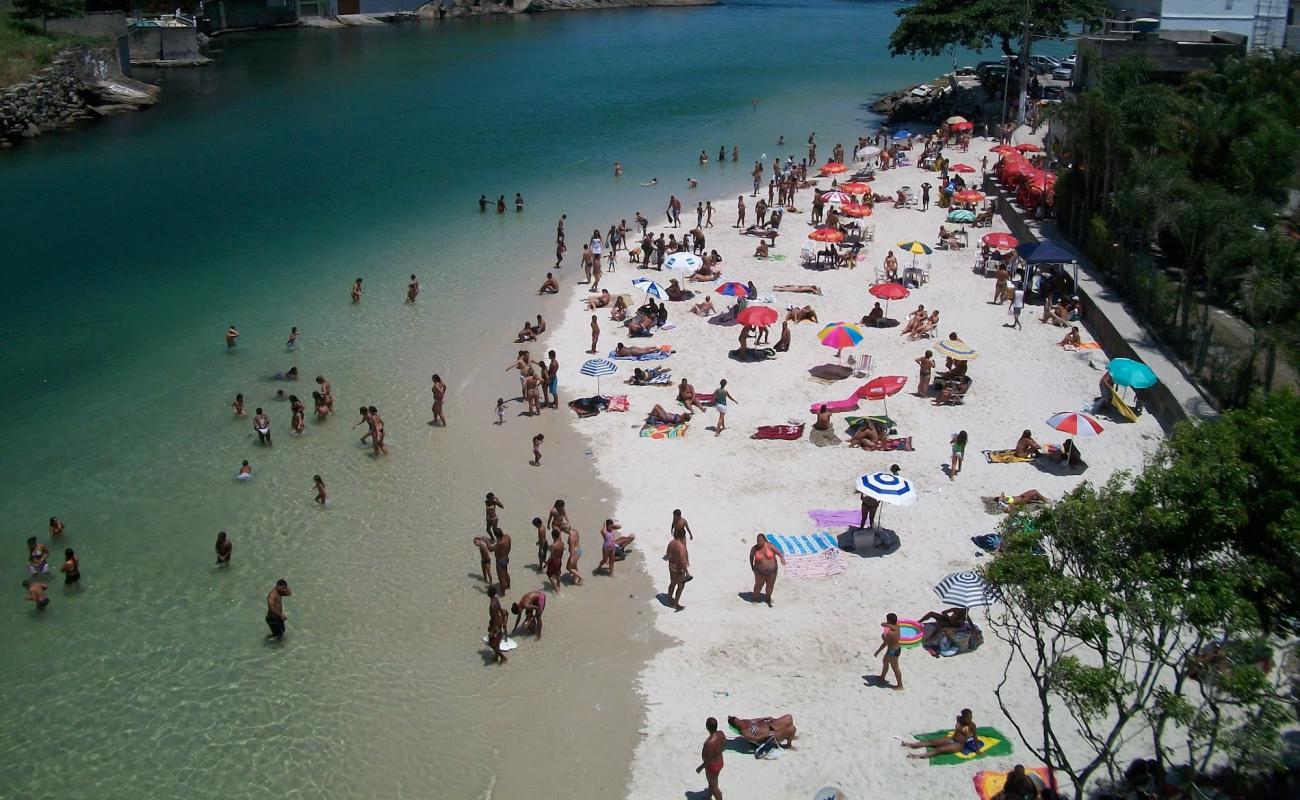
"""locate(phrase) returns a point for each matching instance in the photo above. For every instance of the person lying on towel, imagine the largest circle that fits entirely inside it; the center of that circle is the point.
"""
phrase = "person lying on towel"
(761, 729)
(659, 414)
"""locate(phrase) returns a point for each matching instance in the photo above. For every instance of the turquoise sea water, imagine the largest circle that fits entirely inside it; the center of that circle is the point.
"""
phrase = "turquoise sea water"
(253, 194)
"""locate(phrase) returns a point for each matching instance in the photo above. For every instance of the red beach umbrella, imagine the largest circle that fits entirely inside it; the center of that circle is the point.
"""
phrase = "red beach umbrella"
(833, 168)
(826, 235)
(855, 187)
(1004, 150)
(757, 316)
(1000, 241)
(1028, 148)
(888, 292)
(881, 388)
(968, 196)
(855, 210)
(964, 125)
(963, 168)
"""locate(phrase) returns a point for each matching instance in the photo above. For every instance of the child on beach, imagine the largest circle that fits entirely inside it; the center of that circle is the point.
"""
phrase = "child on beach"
(320, 489)
(958, 454)
(245, 472)
(537, 449)
(501, 411)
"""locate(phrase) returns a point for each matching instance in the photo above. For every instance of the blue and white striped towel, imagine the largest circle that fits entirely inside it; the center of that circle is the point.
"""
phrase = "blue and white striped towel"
(803, 545)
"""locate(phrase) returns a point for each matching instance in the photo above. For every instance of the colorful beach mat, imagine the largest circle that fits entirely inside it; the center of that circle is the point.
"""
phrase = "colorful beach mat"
(662, 353)
(802, 545)
(995, 744)
(664, 431)
(827, 518)
(820, 565)
(1005, 457)
(989, 783)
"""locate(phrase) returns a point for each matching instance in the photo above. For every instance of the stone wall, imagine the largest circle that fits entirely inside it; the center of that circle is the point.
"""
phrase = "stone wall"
(81, 84)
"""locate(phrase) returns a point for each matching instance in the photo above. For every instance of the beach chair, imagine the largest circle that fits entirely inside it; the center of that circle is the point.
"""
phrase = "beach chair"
(983, 219)
(808, 254)
(868, 231)
(863, 365)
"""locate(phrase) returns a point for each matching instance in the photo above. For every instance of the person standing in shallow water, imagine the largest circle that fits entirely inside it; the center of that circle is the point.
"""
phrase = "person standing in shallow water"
(275, 616)
(412, 290)
(262, 424)
(356, 291)
(224, 548)
(439, 394)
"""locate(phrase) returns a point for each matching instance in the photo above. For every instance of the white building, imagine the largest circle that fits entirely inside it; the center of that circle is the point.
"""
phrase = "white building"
(1263, 22)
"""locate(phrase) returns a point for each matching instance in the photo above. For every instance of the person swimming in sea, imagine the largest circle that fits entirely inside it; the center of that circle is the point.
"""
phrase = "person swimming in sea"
(245, 472)
(653, 182)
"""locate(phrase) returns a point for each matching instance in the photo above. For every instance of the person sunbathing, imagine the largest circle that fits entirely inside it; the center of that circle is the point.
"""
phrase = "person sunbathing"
(1006, 502)
(867, 436)
(675, 292)
(619, 312)
(925, 328)
(954, 370)
(783, 343)
(686, 396)
(823, 422)
(621, 350)
(760, 231)
(951, 391)
(550, 285)
(646, 377)
(1026, 447)
(705, 307)
(526, 335)
(900, 200)
(761, 251)
(915, 318)
(1072, 339)
(659, 414)
(705, 273)
(642, 325)
(599, 301)
(807, 313)
(762, 729)
(873, 318)
(964, 739)
(947, 623)
(797, 288)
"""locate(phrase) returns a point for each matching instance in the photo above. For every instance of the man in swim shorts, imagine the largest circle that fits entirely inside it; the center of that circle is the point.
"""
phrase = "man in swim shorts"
(36, 594)
(530, 608)
(575, 553)
(275, 616)
(891, 644)
(497, 619)
(711, 757)
(501, 547)
(679, 564)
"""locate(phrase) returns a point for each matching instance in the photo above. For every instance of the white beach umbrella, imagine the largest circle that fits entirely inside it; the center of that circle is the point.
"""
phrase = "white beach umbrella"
(887, 488)
(836, 196)
(965, 590)
(870, 151)
(683, 262)
(596, 367)
(650, 288)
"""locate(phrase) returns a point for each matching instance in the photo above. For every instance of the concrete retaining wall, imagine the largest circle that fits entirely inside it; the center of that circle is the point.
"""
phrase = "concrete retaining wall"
(164, 44)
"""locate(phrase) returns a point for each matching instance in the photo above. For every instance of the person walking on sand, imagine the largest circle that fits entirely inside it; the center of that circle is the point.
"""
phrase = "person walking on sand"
(720, 398)
(1017, 305)
(575, 553)
(275, 616)
(595, 334)
(680, 524)
(708, 214)
(537, 450)
(711, 757)
(958, 454)
(439, 394)
(740, 212)
(889, 642)
(763, 558)
(679, 565)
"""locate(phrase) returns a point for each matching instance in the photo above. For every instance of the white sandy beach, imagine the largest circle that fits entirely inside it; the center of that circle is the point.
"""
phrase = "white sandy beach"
(807, 656)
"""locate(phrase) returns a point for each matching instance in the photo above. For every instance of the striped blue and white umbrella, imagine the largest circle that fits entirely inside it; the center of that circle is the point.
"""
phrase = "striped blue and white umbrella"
(887, 488)
(596, 367)
(683, 262)
(965, 590)
(650, 288)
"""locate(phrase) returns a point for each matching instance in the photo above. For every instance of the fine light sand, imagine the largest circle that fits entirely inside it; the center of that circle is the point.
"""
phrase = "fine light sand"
(809, 654)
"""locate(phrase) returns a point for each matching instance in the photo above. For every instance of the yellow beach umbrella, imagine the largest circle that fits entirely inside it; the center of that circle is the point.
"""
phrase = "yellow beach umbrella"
(915, 248)
(957, 350)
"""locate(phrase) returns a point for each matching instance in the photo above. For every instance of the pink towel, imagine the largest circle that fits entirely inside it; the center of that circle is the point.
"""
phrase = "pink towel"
(827, 518)
(617, 403)
(827, 562)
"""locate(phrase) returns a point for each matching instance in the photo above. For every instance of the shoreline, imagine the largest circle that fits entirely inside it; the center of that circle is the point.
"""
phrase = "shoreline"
(805, 656)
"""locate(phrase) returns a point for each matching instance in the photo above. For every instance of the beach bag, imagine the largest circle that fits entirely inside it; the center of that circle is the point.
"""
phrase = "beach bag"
(885, 539)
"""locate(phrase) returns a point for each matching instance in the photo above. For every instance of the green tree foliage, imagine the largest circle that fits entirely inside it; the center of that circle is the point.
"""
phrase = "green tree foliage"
(931, 26)
(1147, 611)
(45, 10)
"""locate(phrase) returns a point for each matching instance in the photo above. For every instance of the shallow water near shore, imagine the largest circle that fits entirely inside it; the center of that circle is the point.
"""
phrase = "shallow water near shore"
(253, 195)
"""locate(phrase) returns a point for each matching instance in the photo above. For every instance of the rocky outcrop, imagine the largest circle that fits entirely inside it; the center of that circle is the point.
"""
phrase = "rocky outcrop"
(81, 84)
(937, 100)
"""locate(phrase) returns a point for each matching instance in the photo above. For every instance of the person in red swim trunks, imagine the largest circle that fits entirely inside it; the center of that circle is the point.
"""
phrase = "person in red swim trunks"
(711, 757)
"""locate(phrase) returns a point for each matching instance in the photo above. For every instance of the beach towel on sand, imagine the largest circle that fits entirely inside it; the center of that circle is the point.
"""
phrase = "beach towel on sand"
(664, 431)
(902, 443)
(1005, 457)
(885, 422)
(826, 518)
(818, 565)
(752, 354)
(658, 379)
(618, 402)
(994, 742)
(787, 432)
(989, 783)
(824, 438)
(802, 545)
(662, 353)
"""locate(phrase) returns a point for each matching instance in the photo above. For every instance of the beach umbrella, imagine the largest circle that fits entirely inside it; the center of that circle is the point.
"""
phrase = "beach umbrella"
(881, 388)
(650, 288)
(954, 120)
(1004, 150)
(836, 196)
(757, 316)
(827, 235)
(1075, 423)
(962, 126)
(683, 262)
(957, 350)
(855, 187)
(962, 168)
(887, 488)
(889, 291)
(733, 289)
(833, 168)
(969, 196)
(903, 135)
(1028, 148)
(961, 215)
(1127, 372)
(870, 151)
(1000, 241)
(596, 367)
(855, 210)
(915, 248)
(840, 335)
(965, 590)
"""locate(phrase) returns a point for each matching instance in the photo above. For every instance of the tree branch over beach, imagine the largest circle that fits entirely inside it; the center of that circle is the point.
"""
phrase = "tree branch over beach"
(1152, 606)
(930, 27)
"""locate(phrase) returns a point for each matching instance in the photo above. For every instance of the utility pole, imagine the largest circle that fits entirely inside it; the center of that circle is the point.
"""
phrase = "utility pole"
(1024, 69)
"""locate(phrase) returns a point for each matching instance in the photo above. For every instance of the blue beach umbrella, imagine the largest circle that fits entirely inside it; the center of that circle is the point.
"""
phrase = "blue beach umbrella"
(887, 488)
(902, 134)
(597, 367)
(1128, 372)
(963, 215)
(650, 288)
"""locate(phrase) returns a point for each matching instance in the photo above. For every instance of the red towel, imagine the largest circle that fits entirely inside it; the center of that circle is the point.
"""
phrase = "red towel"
(789, 432)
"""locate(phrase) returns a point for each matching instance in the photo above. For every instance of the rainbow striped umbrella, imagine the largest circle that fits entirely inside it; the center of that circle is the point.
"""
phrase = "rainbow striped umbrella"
(840, 335)
(1075, 423)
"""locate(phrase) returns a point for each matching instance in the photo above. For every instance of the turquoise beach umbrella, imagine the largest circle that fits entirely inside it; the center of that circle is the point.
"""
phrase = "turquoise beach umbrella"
(1128, 372)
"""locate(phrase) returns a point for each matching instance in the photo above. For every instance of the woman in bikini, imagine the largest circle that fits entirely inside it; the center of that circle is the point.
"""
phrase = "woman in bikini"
(762, 560)
(964, 739)
(913, 320)
(924, 328)
(660, 414)
(1072, 339)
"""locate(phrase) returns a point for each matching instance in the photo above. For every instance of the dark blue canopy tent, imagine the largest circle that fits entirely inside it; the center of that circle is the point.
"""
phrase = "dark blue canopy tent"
(1036, 254)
